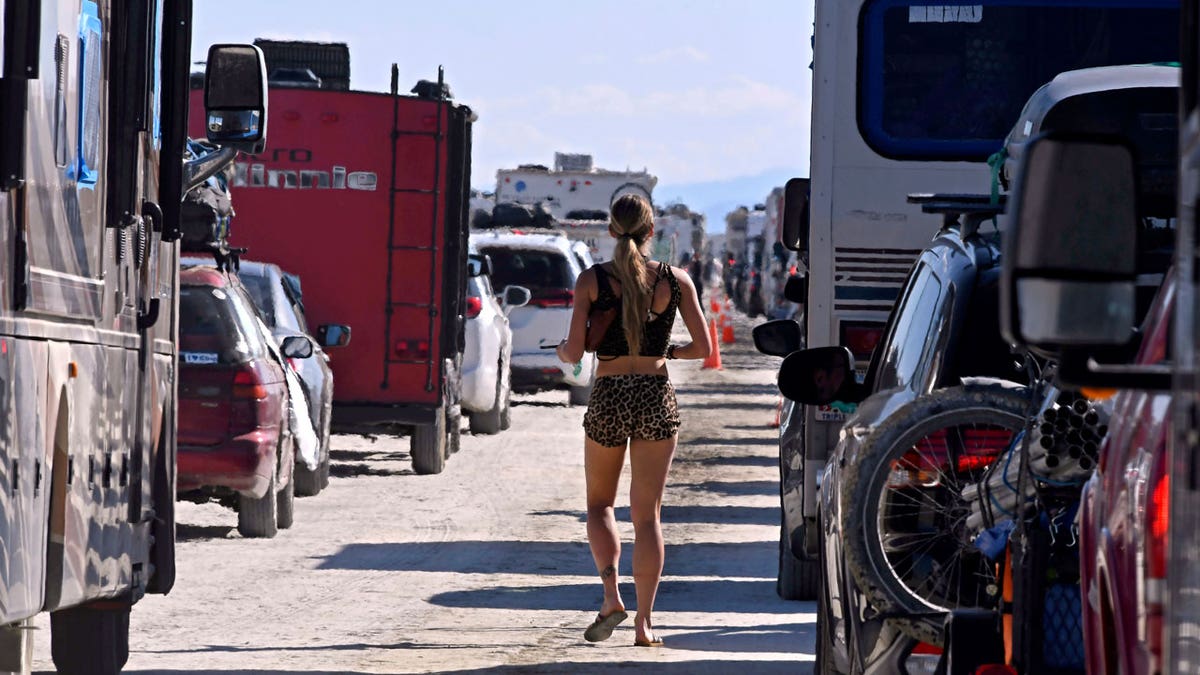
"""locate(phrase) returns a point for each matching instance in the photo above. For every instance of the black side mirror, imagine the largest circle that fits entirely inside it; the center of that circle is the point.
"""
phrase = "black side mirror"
(1070, 258)
(479, 265)
(795, 214)
(235, 97)
(819, 376)
(296, 347)
(516, 296)
(796, 288)
(777, 338)
(333, 335)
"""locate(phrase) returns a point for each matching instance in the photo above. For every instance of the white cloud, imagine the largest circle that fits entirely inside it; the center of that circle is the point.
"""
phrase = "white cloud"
(674, 55)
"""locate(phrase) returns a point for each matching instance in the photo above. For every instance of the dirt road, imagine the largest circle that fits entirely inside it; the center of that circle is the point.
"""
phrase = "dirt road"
(485, 567)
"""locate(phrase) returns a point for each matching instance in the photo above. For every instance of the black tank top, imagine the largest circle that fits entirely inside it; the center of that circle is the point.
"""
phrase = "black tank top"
(656, 332)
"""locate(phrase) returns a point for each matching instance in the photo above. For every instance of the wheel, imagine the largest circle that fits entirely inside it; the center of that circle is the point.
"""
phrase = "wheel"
(454, 431)
(489, 421)
(798, 579)
(308, 483)
(904, 535)
(259, 517)
(824, 658)
(428, 445)
(506, 411)
(579, 395)
(87, 641)
(285, 512)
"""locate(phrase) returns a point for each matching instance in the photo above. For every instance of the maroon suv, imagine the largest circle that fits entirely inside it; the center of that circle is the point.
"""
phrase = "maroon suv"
(233, 404)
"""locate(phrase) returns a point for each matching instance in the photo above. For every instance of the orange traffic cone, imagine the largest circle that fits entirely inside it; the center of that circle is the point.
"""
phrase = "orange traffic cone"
(715, 305)
(778, 414)
(727, 333)
(713, 360)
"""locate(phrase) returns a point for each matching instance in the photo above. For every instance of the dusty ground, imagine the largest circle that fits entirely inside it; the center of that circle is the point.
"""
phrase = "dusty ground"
(485, 567)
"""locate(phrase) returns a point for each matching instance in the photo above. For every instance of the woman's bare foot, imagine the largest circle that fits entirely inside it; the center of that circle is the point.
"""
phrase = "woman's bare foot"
(611, 605)
(644, 635)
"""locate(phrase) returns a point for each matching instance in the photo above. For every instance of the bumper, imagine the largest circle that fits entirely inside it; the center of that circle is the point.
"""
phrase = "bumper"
(536, 370)
(243, 464)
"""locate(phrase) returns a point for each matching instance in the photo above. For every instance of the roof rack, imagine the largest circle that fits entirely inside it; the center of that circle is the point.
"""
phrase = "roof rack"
(965, 212)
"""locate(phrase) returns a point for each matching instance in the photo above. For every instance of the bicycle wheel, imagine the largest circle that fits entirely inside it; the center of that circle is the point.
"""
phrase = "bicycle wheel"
(906, 541)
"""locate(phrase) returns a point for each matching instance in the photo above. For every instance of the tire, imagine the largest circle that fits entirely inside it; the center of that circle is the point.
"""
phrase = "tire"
(489, 421)
(258, 518)
(428, 445)
(506, 410)
(326, 450)
(86, 641)
(798, 579)
(992, 407)
(824, 658)
(579, 395)
(307, 482)
(454, 431)
(285, 508)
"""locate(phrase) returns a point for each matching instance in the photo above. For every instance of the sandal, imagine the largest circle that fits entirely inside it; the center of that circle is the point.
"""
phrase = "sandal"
(602, 628)
(653, 641)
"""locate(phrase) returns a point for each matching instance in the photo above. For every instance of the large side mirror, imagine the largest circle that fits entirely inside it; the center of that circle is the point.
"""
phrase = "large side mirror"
(795, 214)
(333, 335)
(796, 288)
(516, 296)
(819, 376)
(1070, 258)
(296, 347)
(777, 338)
(235, 97)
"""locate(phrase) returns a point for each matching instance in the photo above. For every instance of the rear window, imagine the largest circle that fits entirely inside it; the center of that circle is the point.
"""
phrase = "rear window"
(947, 81)
(534, 269)
(215, 328)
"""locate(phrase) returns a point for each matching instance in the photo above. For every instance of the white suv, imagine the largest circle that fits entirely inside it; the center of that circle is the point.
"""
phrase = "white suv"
(547, 263)
(486, 381)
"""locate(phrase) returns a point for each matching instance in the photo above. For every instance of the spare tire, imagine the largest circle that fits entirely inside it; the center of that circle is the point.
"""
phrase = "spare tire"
(903, 525)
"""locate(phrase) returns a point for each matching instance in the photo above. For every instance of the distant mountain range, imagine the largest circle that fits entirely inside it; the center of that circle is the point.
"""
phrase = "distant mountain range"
(716, 198)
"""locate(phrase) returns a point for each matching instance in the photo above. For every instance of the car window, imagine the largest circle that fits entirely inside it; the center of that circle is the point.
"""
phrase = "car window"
(259, 288)
(907, 343)
(534, 269)
(214, 328)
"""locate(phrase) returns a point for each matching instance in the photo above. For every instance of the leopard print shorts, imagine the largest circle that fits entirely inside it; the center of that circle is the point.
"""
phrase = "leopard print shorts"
(631, 406)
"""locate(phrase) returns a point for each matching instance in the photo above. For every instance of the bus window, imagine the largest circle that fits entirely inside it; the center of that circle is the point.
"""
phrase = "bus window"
(946, 81)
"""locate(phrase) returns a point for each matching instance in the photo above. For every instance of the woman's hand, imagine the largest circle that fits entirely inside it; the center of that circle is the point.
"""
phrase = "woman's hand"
(559, 351)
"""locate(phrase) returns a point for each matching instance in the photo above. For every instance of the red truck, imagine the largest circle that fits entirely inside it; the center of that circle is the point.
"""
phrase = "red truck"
(365, 196)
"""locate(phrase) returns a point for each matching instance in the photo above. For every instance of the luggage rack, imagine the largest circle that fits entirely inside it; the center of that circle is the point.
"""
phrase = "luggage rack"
(227, 258)
(965, 212)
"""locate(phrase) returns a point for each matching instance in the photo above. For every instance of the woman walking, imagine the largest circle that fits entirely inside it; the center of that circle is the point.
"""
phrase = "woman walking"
(632, 403)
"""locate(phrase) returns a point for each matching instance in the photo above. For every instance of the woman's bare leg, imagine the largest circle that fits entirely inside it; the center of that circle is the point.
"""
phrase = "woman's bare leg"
(602, 468)
(650, 461)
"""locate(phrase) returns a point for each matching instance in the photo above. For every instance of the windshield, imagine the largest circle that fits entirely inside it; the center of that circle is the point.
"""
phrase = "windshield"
(532, 268)
(947, 81)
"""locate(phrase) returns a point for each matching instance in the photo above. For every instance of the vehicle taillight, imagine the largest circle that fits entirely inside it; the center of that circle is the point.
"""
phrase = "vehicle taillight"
(1157, 522)
(1158, 504)
(474, 307)
(246, 384)
(412, 350)
(861, 338)
(554, 298)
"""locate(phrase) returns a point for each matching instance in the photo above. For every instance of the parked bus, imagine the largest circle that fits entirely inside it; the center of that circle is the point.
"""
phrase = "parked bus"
(910, 97)
(92, 173)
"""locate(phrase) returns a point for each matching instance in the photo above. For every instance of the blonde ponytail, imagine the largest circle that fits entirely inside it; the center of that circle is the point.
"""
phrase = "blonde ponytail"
(632, 220)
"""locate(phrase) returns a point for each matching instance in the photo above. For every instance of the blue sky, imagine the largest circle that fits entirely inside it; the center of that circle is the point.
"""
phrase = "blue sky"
(709, 96)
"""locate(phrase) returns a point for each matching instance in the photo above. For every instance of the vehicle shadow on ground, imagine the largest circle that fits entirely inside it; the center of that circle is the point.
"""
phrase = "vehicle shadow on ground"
(354, 470)
(712, 440)
(540, 404)
(765, 409)
(185, 532)
(733, 460)
(648, 666)
(747, 488)
(755, 560)
(723, 515)
(798, 638)
(674, 595)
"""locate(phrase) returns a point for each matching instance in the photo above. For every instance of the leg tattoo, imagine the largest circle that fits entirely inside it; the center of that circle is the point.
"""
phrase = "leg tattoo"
(608, 572)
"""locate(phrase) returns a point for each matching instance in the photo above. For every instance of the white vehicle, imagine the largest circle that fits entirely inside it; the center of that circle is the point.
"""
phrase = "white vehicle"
(487, 357)
(574, 189)
(546, 263)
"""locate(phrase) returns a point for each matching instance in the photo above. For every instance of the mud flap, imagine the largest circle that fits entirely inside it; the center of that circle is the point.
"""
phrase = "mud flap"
(971, 638)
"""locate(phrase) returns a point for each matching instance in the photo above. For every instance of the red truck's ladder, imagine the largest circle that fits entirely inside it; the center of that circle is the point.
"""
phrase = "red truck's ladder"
(436, 191)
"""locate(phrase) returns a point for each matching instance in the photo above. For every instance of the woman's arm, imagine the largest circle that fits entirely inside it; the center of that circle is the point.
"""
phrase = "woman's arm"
(570, 350)
(693, 318)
